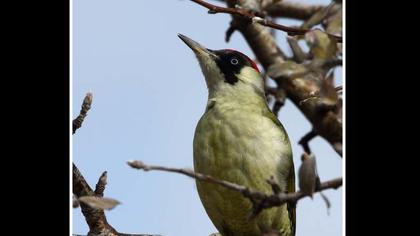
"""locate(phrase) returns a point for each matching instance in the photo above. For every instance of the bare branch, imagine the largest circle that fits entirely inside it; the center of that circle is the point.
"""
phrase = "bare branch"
(232, 28)
(80, 186)
(327, 122)
(319, 67)
(213, 9)
(338, 147)
(320, 15)
(274, 185)
(291, 10)
(327, 202)
(76, 203)
(271, 90)
(280, 97)
(140, 165)
(100, 186)
(304, 141)
(298, 54)
(95, 218)
(87, 102)
(259, 199)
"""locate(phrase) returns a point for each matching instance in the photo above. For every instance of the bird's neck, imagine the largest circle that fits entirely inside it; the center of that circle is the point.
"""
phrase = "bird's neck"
(237, 97)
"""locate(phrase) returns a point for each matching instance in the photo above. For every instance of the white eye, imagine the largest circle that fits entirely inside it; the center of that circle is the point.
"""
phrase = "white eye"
(234, 61)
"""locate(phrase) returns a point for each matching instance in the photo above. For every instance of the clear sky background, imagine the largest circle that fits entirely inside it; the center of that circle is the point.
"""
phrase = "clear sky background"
(149, 94)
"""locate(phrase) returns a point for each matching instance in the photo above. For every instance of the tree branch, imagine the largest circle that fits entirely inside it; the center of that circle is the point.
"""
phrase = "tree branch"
(320, 15)
(280, 100)
(87, 102)
(259, 199)
(304, 141)
(327, 122)
(213, 9)
(292, 10)
(95, 218)
(100, 186)
(298, 54)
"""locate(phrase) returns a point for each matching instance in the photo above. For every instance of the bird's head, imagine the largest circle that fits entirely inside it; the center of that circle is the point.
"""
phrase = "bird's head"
(227, 72)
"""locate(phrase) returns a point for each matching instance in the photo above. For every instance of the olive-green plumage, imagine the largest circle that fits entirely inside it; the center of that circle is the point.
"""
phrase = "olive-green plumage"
(239, 139)
(245, 145)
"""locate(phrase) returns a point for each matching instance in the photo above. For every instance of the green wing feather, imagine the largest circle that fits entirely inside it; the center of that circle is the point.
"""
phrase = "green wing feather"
(291, 207)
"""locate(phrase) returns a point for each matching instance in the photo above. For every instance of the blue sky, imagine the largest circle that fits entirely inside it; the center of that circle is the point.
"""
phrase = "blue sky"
(149, 94)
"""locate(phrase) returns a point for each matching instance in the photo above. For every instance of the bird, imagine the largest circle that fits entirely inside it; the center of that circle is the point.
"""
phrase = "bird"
(238, 139)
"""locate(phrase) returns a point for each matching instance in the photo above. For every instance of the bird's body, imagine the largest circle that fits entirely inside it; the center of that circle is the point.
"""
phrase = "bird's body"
(241, 143)
(238, 139)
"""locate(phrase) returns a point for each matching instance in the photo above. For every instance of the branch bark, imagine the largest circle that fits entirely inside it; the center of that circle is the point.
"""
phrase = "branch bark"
(326, 122)
(87, 102)
(259, 199)
(95, 218)
(292, 10)
(304, 141)
(252, 17)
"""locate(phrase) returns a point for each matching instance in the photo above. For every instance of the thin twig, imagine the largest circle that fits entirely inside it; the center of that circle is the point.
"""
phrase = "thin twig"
(304, 141)
(271, 90)
(259, 199)
(100, 186)
(87, 102)
(76, 202)
(279, 95)
(280, 100)
(298, 54)
(318, 16)
(213, 9)
(278, 104)
(140, 165)
(274, 185)
(230, 31)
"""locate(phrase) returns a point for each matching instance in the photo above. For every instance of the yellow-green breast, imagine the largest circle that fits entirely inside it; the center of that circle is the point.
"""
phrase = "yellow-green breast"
(245, 145)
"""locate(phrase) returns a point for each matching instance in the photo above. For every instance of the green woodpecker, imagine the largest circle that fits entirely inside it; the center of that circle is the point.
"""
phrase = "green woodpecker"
(239, 139)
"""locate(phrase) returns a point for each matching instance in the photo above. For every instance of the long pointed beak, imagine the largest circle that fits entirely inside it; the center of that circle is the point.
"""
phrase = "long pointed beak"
(196, 47)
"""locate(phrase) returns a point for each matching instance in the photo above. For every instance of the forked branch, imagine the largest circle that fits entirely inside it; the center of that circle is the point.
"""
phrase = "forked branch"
(95, 218)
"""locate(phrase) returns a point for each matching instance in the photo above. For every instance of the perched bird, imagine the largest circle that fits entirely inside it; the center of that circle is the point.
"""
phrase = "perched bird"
(239, 139)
